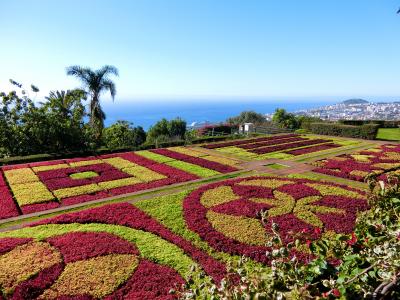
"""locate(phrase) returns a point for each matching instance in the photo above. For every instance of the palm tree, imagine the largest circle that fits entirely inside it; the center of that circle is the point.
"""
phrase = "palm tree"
(96, 82)
(64, 101)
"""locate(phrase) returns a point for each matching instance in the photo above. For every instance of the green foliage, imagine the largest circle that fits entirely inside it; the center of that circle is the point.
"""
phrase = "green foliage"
(364, 265)
(122, 134)
(247, 117)
(285, 119)
(165, 131)
(55, 126)
(367, 131)
(305, 122)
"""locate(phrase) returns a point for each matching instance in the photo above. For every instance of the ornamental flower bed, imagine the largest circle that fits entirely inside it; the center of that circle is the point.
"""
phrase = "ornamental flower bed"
(312, 149)
(227, 214)
(249, 141)
(357, 165)
(113, 252)
(272, 142)
(264, 150)
(40, 186)
(196, 160)
(147, 249)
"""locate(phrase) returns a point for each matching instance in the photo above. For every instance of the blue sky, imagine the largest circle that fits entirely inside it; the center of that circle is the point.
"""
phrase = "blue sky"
(207, 48)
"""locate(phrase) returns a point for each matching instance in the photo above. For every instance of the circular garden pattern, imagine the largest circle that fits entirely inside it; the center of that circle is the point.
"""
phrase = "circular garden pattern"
(227, 214)
(81, 265)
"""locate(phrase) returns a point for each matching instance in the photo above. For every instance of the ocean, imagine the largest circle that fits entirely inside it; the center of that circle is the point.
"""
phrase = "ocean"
(145, 113)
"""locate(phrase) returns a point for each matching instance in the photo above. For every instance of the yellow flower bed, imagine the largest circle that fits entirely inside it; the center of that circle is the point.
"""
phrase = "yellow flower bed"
(96, 277)
(23, 175)
(222, 160)
(31, 193)
(143, 173)
(76, 191)
(52, 167)
(187, 151)
(118, 183)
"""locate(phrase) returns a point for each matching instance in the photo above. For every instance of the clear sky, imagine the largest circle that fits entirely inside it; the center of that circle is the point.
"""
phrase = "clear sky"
(207, 48)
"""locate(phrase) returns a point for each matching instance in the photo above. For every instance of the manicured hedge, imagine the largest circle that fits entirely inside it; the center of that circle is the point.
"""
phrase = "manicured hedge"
(381, 123)
(368, 131)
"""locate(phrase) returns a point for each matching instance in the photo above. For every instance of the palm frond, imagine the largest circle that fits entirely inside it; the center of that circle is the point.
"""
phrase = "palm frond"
(79, 72)
(110, 86)
(107, 70)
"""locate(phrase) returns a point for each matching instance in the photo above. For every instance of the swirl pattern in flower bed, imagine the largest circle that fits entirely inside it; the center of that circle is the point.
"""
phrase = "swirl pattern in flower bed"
(111, 252)
(227, 214)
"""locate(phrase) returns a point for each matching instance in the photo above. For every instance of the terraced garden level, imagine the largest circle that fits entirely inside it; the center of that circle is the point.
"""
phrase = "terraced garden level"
(34, 187)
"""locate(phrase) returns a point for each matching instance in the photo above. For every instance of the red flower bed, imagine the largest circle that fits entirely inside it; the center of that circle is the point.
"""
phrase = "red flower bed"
(196, 161)
(8, 208)
(248, 141)
(285, 204)
(265, 150)
(6, 244)
(58, 179)
(32, 208)
(273, 142)
(76, 246)
(150, 281)
(32, 288)
(312, 149)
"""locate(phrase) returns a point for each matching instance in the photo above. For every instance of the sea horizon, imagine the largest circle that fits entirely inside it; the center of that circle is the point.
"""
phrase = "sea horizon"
(146, 112)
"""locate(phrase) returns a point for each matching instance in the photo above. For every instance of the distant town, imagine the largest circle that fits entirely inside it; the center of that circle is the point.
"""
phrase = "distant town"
(353, 109)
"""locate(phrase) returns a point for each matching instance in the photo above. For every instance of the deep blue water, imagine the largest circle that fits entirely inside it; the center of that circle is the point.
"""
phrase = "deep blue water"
(145, 113)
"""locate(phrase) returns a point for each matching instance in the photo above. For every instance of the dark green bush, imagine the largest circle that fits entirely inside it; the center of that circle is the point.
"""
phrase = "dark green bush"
(367, 131)
(122, 134)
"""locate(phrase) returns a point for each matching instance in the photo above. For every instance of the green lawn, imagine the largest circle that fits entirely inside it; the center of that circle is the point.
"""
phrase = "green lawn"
(277, 166)
(390, 134)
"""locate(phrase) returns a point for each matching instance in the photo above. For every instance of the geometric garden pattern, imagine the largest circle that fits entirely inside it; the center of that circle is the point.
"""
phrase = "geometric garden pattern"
(33, 187)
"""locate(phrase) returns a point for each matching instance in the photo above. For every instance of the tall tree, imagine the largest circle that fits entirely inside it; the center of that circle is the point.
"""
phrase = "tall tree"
(96, 82)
